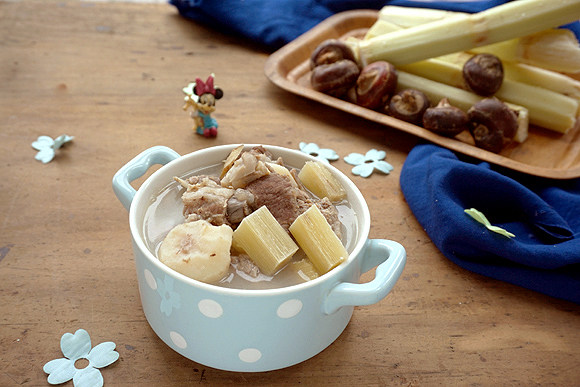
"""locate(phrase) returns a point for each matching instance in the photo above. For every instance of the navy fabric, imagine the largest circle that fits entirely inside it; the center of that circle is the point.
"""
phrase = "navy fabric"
(273, 23)
(543, 214)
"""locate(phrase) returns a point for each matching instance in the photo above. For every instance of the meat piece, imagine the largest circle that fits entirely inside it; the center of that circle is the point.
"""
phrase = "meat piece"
(261, 153)
(331, 214)
(287, 202)
(206, 199)
(277, 193)
(243, 263)
(239, 206)
(247, 168)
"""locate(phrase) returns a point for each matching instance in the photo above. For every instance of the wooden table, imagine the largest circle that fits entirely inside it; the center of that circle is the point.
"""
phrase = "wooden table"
(111, 74)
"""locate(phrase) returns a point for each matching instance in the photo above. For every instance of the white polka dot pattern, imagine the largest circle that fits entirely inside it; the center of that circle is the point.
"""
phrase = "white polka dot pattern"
(150, 279)
(250, 355)
(289, 308)
(210, 308)
(178, 340)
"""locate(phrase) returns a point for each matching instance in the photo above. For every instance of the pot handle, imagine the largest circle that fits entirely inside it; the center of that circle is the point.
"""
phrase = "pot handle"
(137, 168)
(390, 257)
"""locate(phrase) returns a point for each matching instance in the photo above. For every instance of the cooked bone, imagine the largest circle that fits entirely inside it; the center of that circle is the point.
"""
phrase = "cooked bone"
(245, 169)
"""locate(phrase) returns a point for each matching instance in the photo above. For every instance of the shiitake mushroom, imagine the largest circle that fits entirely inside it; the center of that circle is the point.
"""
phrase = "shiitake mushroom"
(330, 51)
(375, 83)
(483, 74)
(492, 124)
(335, 78)
(408, 105)
(445, 119)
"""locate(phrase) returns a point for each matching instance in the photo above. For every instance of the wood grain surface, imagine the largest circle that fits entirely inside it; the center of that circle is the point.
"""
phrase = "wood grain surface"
(111, 74)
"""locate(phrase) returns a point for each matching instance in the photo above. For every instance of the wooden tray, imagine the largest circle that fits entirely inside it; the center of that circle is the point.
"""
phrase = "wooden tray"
(544, 153)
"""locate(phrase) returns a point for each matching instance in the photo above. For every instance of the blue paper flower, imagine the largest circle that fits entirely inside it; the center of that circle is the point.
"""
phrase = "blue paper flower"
(169, 298)
(75, 347)
(47, 147)
(321, 154)
(366, 164)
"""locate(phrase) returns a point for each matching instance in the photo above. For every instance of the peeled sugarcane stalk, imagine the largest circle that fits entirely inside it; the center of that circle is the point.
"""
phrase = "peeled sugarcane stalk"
(530, 75)
(320, 181)
(381, 27)
(315, 236)
(393, 18)
(552, 49)
(261, 237)
(535, 88)
(460, 98)
(406, 17)
(465, 31)
(305, 269)
(547, 79)
(546, 108)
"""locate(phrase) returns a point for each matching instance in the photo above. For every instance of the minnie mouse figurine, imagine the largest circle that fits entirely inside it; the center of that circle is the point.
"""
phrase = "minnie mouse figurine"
(201, 96)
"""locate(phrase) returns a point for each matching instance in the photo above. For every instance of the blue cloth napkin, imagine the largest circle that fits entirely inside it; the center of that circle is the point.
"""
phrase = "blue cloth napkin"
(273, 23)
(543, 214)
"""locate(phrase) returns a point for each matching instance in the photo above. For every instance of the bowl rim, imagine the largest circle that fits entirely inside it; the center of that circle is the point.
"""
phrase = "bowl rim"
(363, 228)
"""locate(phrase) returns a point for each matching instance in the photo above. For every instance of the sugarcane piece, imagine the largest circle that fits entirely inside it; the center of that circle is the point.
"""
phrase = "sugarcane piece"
(406, 17)
(321, 182)
(531, 75)
(460, 98)
(547, 79)
(381, 27)
(551, 49)
(546, 108)
(304, 269)
(465, 31)
(262, 238)
(519, 72)
(316, 238)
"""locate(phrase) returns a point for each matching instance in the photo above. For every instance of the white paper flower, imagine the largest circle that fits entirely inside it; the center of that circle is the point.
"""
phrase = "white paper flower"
(47, 147)
(366, 164)
(188, 91)
(78, 346)
(321, 154)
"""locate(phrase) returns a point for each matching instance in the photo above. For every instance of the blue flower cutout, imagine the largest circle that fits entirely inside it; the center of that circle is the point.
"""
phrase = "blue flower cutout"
(47, 147)
(366, 164)
(321, 154)
(75, 347)
(169, 298)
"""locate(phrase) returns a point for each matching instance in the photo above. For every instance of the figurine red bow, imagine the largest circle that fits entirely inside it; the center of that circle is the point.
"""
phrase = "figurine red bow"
(207, 87)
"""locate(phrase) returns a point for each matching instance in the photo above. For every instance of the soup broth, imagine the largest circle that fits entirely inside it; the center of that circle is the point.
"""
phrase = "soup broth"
(166, 212)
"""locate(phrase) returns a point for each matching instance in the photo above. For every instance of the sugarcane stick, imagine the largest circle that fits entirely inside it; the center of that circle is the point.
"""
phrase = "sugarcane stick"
(546, 108)
(462, 32)
(460, 98)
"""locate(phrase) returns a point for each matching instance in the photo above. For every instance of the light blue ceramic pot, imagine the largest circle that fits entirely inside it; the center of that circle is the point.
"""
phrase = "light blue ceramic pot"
(250, 330)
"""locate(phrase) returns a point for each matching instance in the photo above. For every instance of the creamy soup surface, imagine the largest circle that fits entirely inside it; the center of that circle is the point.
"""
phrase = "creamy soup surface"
(166, 212)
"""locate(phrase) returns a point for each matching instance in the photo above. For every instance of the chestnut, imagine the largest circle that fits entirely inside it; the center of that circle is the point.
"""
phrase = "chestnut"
(483, 74)
(445, 119)
(376, 82)
(492, 124)
(335, 78)
(330, 51)
(409, 105)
